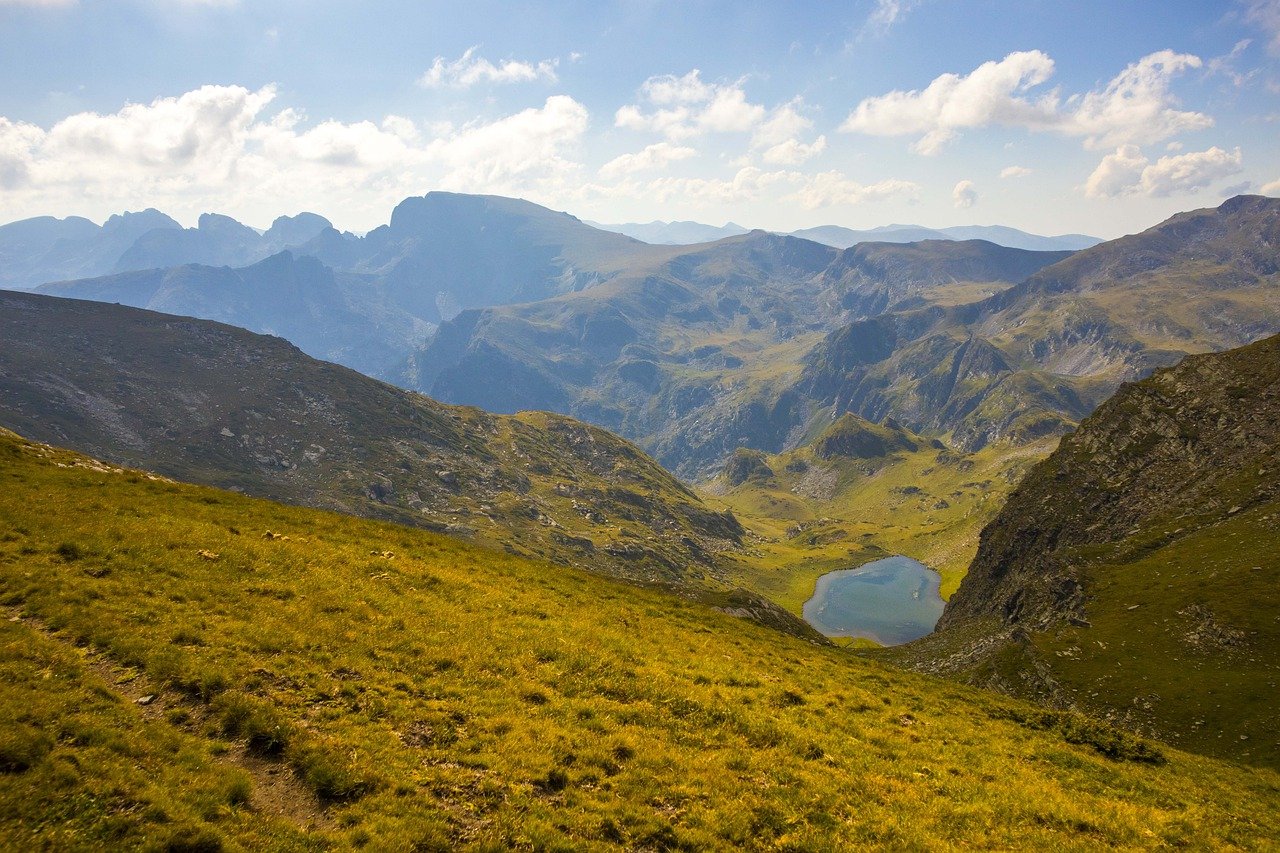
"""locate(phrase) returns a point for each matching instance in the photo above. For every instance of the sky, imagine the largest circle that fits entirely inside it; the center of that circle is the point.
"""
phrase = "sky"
(1056, 117)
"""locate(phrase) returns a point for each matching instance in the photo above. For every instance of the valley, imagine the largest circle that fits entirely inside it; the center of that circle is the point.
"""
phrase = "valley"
(520, 615)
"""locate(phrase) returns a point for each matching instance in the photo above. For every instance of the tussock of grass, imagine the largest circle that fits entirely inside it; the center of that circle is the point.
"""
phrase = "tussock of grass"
(456, 697)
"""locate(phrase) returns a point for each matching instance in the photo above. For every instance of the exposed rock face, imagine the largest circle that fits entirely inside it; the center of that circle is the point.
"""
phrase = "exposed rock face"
(1171, 445)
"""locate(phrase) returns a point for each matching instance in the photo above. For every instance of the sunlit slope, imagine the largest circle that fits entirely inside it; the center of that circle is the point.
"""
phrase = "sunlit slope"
(324, 681)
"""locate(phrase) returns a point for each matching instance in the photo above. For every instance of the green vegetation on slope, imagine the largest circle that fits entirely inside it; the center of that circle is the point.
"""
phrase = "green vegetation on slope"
(1133, 572)
(324, 681)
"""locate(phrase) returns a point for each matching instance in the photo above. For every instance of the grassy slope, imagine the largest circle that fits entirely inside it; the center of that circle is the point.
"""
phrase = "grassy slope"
(359, 683)
(1206, 680)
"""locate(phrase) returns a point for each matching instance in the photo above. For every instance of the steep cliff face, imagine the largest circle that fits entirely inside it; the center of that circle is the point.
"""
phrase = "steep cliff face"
(1133, 574)
(1200, 439)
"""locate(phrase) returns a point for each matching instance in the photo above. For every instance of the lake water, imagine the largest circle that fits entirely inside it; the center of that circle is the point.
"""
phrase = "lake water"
(891, 601)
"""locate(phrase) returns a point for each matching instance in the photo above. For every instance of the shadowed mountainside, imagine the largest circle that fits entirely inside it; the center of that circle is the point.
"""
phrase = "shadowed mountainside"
(1133, 573)
(213, 404)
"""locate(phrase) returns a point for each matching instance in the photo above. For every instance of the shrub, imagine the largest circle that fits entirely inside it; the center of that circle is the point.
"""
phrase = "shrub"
(22, 747)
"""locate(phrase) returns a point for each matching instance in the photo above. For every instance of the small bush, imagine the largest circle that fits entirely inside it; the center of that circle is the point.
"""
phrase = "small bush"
(239, 790)
(194, 839)
(254, 720)
(328, 776)
(22, 747)
(70, 551)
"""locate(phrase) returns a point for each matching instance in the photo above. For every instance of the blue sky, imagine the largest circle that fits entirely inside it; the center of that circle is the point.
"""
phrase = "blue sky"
(1096, 117)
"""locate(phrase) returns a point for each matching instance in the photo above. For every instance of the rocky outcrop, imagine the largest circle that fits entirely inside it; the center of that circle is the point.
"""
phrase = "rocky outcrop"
(1202, 437)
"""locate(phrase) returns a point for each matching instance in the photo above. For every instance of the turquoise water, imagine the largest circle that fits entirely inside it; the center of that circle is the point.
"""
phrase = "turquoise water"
(891, 601)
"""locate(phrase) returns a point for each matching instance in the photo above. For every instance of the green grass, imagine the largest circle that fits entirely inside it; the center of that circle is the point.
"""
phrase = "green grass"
(348, 683)
(1184, 636)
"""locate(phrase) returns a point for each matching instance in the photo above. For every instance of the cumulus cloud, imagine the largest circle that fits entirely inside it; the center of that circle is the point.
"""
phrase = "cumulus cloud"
(469, 70)
(1271, 189)
(993, 93)
(964, 195)
(792, 152)
(830, 188)
(222, 147)
(779, 137)
(688, 106)
(656, 156)
(1014, 172)
(1128, 171)
(1134, 107)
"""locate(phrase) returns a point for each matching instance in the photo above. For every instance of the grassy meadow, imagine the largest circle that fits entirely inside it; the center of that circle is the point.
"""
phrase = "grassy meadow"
(188, 669)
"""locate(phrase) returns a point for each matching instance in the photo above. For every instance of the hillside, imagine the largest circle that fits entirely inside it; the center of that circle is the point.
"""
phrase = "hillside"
(176, 677)
(695, 356)
(1033, 360)
(338, 317)
(1133, 573)
(212, 404)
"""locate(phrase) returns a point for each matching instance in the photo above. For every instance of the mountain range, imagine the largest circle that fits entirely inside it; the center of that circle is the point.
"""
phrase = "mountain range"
(323, 675)
(684, 233)
(755, 340)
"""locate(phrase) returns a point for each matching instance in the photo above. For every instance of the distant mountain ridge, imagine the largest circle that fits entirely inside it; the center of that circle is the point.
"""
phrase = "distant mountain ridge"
(684, 233)
(755, 340)
(45, 249)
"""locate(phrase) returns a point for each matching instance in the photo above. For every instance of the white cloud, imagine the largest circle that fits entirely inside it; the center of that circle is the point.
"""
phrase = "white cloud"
(746, 185)
(830, 188)
(531, 142)
(1185, 173)
(964, 195)
(1271, 189)
(991, 94)
(217, 147)
(1128, 171)
(656, 156)
(1134, 107)
(688, 106)
(779, 136)
(1265, 15)
(1014, 172)
(669, 89)
(1117, 174)
(470, 70)
(792, 152)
